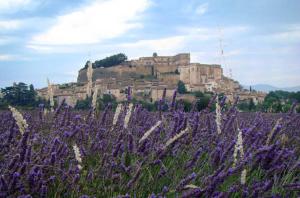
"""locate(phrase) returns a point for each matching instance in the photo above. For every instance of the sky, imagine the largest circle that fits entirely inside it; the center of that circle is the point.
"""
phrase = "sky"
(53, 39)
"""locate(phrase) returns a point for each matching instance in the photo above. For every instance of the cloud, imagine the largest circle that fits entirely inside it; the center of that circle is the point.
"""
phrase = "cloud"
(6, 57)
(10, 24)
(207, 33)
(41, 48)
(291, 34)
(201, 9)
(185, 39)
(94, 23)
(4, 40)
(14, 57)
(185, 35)
(13, 5)
(164, 45)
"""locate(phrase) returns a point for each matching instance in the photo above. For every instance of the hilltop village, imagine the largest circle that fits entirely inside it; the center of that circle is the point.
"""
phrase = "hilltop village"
(149, 76)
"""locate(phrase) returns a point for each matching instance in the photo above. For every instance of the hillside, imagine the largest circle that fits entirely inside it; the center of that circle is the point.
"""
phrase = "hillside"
(267, 88)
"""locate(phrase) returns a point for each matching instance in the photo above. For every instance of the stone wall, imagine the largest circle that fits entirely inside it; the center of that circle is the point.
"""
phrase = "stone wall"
(187, 97)
(157, 92)
(184, 74)
(169, 78)
(142, 66)
(120, 71)
(201, 74)
(200, 77)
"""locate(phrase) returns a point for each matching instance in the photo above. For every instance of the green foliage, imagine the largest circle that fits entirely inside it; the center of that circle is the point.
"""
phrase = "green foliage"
(101, 102)
(20, 94)
(251, 105)
(105, 100)
(109, 61)
(83, 104)
(3, 103)
(198, 94)
(248, 105)
(181, 87)
(280, 101)
(298, 109)
(187, 105)
(202, 100)
(147, 105)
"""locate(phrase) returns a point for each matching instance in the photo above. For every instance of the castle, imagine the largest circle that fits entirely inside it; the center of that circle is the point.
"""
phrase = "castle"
(149, 76)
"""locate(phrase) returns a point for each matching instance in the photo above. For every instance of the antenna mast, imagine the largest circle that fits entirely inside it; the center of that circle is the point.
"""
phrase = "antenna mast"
(222, 57)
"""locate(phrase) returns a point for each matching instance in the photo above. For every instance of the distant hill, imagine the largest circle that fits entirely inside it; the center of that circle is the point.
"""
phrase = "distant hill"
(268, 88)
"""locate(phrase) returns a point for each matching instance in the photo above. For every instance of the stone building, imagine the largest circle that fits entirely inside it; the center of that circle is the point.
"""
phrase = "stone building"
(149, 76)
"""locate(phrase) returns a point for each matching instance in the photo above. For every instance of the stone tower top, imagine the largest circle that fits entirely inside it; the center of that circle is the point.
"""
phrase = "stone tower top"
(179, 59)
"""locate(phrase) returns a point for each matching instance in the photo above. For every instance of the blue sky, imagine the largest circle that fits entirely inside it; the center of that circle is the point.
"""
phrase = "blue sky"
(42, 39)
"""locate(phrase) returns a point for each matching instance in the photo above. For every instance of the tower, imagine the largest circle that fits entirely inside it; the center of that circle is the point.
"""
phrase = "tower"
(222, 56)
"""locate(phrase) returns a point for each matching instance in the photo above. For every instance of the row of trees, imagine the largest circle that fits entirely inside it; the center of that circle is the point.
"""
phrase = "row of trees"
(274, 102)
(109, 61)
(201, 103)
(20, 94)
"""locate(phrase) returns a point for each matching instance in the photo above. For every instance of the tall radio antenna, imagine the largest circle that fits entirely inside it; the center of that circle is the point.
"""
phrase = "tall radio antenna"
(222, 57)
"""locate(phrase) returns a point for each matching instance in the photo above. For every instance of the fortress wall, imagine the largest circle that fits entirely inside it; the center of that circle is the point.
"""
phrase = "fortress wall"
(218, 73)
(81, 78)
(203, 73)
(182, 59)
(156, 93)
(186, 97)
(146, 70)
(166, 68)
(134, 68)
(195, 72)
(121, 71)
(184, 74)
(145, 61)
(179, 59)
(169, 79)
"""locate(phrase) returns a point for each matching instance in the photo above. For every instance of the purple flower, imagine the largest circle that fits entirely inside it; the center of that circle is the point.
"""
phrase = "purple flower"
(193, 193)
(173, 100)
(185, 181)
(129, 93)
(43, 191)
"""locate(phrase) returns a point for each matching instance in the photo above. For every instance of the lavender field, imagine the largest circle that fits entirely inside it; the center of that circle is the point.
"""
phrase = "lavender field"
(131, 152)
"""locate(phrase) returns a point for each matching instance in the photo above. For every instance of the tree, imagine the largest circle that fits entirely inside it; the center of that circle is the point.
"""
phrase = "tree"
(108, 98)
(198, 94)
(181, 87)
(83, 104)
(280, 101)
(251, 105)
(187, 106)
(19, 95)
(202, 102)
(105, 100)
(109, 61)
(3, 103)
